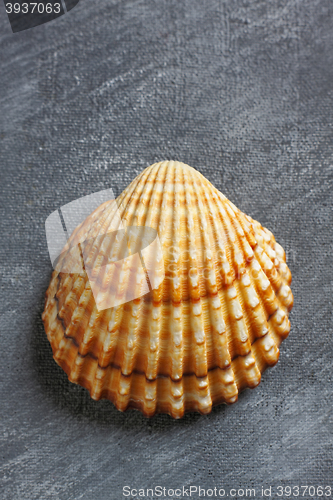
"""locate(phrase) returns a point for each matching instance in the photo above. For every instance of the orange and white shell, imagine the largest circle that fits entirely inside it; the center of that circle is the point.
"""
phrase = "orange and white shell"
(210, 328)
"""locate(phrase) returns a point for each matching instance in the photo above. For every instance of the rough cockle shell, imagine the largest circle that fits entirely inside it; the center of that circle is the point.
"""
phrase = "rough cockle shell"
(208, 331)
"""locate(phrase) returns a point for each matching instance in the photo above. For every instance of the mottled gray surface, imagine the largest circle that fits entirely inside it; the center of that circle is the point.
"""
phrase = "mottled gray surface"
(243, 92)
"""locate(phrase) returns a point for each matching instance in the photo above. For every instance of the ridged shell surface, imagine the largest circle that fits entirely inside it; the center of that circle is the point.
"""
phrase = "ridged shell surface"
(211, 327)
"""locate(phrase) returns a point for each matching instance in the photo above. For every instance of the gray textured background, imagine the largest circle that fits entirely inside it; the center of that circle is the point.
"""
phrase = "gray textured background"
(243, 92)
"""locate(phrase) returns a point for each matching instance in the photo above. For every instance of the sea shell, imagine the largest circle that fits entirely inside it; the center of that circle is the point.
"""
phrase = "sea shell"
(207, 331)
